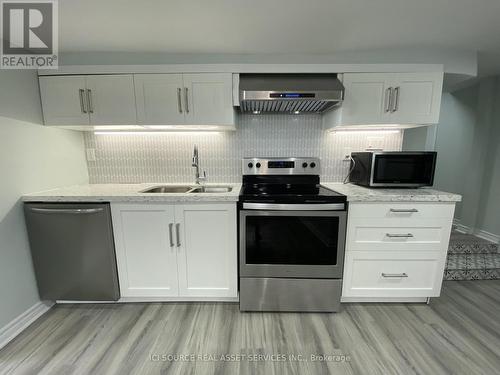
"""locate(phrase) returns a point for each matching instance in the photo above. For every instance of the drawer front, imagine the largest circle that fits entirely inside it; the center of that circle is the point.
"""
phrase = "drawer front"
(369, 274)
(372, 237)
(405, 212)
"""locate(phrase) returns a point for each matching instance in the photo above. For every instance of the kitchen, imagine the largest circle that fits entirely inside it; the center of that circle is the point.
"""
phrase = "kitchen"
(288, 214)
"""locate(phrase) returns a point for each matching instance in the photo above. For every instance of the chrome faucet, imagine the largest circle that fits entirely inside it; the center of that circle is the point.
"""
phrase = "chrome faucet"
(196, 163)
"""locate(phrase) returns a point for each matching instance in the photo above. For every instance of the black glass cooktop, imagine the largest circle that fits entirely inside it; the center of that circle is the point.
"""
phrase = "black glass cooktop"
(288, 191)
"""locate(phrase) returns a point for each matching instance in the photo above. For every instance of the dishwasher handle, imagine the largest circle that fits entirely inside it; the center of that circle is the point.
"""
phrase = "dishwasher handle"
(71, 211)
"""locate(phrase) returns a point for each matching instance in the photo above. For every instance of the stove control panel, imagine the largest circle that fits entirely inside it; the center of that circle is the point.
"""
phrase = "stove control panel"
(286, 166)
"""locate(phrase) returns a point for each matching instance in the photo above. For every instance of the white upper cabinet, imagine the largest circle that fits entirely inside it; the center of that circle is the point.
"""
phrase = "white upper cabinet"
(388, 98)
(185, 99)
(365, 98)
(111, 99)
(208, 256)
(88, 100)
(64, 100)
(146, 253)
(159, 99)
(209, 99)
(417, 98)
(204, 99)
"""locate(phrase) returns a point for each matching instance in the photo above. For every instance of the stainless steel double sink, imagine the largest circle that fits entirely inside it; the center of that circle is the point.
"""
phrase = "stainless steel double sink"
(188, 189)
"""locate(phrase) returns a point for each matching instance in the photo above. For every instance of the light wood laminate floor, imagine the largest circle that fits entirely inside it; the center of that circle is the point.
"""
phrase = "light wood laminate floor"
(458, 333)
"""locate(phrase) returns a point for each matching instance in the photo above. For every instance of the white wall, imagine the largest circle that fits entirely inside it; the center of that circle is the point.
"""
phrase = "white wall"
(32, 158)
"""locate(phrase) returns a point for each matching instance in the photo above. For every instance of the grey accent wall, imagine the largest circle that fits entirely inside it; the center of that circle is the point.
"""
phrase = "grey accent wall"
(32, 158)
(166, 157)
(415, 139)
(468, 158)
(488, 217)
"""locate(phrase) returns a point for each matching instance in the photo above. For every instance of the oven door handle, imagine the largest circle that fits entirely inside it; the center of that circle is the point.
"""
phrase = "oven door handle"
(295, 207)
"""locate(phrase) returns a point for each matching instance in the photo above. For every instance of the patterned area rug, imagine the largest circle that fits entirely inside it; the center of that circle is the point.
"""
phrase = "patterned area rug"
(471, 258)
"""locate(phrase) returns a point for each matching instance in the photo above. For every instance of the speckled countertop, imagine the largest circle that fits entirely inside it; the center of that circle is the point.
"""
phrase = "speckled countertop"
(132, 193)
(128, 193)
(357, 193)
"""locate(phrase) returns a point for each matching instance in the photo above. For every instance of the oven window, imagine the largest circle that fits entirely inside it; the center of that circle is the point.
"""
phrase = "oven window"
(302, 240)
(410, 169)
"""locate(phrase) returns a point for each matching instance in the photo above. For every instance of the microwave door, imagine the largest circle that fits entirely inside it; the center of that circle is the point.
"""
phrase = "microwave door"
(410, 170)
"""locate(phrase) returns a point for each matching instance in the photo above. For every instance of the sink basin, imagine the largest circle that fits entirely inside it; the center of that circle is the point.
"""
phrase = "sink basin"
(188, 189)
(169, 189)
(212, 189)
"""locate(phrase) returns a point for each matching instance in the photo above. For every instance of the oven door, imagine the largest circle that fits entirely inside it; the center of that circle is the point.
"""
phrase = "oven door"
(291, 242)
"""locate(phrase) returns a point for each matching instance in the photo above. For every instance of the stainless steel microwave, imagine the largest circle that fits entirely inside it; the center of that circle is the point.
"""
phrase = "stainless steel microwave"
(393, 169)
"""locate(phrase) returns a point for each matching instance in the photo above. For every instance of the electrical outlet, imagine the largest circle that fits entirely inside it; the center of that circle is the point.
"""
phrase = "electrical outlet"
(375, 143)
(347, 154)
(91, 154)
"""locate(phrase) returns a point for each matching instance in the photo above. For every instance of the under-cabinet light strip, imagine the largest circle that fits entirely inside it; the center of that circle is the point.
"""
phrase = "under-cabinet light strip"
(154, 132)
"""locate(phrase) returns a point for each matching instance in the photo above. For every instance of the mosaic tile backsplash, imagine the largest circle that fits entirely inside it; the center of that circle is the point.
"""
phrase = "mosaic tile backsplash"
(166, 157)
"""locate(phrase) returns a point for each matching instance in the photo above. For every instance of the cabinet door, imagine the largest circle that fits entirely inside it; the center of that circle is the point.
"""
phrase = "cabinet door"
(111, 99)
(366, 98)
(208, 99)
(63, 100)
(145, 250)
(159, 99)
(418, 99)
(208, 252)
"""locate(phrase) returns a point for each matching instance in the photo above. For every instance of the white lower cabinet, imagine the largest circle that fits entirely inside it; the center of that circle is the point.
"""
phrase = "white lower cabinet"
(383, 274)
(176, 251)
(208, 251)
(396, 250)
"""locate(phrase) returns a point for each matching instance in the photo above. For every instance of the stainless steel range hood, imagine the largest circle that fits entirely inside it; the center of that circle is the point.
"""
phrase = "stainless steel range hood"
(289, 93)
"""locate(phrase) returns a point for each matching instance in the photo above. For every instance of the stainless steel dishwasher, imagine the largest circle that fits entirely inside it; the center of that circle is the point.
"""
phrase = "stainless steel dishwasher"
(73, 251)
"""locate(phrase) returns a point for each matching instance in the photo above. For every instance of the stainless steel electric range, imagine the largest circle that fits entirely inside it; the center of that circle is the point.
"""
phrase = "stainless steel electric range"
(291, 237)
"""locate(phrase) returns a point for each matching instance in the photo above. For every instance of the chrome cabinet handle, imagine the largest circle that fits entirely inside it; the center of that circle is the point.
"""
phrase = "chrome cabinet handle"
(170, 235)
(76, 211)
(89, 100)
(82, 102)
(177, 233)
(395, 106)
(388, 99)
(179, 99)
(186, 98)
(403, 210)
(394, 274)
(399, 235)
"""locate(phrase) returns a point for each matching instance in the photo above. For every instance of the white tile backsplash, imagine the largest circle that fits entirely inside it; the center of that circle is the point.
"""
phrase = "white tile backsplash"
(166, 157)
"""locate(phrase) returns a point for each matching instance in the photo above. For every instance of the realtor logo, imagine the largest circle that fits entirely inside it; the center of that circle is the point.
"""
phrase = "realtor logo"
(29, 34)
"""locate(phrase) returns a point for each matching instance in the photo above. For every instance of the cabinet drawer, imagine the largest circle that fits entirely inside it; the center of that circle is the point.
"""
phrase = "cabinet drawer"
(405, 212)
(369, 237)
(381, 274)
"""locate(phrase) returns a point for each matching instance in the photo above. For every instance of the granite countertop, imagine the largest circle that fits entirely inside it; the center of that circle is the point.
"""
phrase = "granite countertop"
(357, 193)
(128, 193)
(132, 193)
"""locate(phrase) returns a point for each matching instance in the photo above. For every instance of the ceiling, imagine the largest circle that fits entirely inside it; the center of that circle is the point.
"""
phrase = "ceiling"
(300, 27)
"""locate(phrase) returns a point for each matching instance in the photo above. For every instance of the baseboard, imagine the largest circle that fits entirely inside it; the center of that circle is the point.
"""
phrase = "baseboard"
(384, 299)
(19, 324)
(485, 235)
(460, 227)
(157, 299)
(178, 299)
